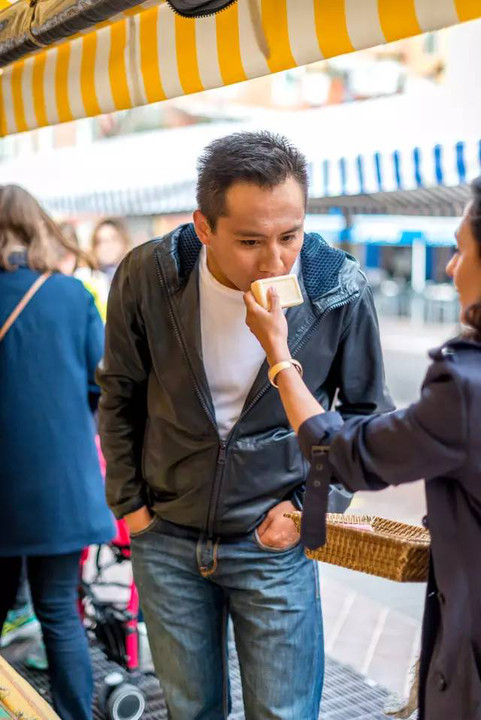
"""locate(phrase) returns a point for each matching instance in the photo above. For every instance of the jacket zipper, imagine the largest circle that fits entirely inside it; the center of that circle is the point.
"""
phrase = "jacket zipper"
(200, 14)
(215, 494)
(223, 444)
(221, 456)
(221, 459)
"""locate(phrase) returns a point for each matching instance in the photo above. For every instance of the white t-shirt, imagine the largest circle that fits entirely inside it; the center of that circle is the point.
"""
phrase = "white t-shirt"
(232, 354)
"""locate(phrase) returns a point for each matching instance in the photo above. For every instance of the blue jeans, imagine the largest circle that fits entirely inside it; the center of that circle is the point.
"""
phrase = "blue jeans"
(188, 585)
(54, 581)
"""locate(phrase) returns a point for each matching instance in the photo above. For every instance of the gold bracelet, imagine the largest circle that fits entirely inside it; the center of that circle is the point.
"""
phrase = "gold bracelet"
(283, 365)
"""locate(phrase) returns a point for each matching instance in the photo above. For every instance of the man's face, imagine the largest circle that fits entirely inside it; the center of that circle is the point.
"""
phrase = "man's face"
(260, 235)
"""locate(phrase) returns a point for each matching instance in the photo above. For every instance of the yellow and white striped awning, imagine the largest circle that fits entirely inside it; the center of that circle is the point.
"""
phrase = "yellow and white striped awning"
(154, 54)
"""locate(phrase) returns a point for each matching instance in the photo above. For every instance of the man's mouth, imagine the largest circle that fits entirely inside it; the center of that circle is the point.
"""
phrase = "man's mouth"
(265, 277)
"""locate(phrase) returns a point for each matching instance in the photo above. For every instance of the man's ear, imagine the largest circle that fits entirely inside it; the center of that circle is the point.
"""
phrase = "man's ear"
(202, 227)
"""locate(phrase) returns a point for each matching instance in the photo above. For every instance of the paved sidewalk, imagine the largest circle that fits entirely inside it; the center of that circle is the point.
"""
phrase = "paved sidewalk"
(373, 624)
(347, 696)
(405, 347)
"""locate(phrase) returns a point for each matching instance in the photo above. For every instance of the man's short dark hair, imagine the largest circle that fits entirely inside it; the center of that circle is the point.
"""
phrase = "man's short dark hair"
(261, 158)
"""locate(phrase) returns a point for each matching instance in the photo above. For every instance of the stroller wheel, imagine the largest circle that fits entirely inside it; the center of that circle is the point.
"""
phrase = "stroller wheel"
(122, 700)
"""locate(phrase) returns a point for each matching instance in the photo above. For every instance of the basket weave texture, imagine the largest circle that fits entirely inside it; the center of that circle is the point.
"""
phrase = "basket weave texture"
(373, 545)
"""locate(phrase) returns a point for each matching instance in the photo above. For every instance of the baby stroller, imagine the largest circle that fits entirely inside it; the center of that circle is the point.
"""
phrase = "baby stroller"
(113, 624)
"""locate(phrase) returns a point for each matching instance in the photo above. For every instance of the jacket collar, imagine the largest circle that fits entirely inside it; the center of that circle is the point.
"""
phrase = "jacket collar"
(328, 277)
(325, 270)
(450, 347)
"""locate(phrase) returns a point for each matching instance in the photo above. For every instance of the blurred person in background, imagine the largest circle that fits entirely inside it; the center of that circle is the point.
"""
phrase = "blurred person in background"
(21, 622)
(438, 438)
(53, 505)
(97, 282)
(110, 243)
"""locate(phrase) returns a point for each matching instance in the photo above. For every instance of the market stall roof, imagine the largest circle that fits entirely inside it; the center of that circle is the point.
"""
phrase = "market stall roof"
(156, 54)
(419, 180)
(439, 200)
(27, 25)
(154, 173)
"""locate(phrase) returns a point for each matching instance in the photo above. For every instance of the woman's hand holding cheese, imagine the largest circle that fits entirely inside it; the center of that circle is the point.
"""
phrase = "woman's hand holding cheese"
(269, 326)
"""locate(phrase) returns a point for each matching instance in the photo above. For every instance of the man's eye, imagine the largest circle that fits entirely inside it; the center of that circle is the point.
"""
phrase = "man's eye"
(288, 238)
(249, 243)
(455, 250)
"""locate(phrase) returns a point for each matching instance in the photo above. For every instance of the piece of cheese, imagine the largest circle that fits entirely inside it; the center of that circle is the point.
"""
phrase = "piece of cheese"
(287, 287)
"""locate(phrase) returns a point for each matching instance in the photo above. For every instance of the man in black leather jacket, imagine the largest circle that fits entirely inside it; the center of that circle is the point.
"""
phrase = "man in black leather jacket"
(201, 460)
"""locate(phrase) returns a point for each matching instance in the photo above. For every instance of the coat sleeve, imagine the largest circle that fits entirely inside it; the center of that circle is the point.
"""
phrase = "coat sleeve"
(358, 373)
(123, 381)
(424, 441)
(359, 364)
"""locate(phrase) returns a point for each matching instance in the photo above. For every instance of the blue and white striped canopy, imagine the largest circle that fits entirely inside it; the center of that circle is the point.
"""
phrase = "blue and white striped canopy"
(401, 170)
(154, 173)
(414, 181)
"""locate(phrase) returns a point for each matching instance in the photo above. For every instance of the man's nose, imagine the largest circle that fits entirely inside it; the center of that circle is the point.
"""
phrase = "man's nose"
(271, 262)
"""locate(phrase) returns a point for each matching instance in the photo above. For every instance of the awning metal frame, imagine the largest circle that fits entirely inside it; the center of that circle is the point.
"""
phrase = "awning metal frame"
(439, 201)
(26, 27)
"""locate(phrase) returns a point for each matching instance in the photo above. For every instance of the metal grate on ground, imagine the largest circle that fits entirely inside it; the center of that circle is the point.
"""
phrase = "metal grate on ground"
(347, 695)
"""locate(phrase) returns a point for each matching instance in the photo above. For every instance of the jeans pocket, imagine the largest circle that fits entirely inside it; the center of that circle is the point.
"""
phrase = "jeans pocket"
(148, 528)
(269, 548)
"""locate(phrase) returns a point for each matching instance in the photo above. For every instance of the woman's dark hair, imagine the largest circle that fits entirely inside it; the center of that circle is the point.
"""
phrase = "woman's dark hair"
(24, 225)
(260, 158)
(472, 315)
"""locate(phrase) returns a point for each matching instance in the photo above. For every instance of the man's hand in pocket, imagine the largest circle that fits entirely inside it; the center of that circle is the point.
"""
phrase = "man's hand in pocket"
(139, 520)
(277, 531)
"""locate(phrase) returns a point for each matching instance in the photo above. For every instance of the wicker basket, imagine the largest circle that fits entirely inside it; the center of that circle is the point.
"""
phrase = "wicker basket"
(373, 545)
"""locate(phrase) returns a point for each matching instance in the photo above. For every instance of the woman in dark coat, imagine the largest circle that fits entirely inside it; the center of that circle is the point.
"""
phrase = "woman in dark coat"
(438, 439)
(52, 497)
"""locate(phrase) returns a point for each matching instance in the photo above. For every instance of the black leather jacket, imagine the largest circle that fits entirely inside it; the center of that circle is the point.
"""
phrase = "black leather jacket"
(157, 420)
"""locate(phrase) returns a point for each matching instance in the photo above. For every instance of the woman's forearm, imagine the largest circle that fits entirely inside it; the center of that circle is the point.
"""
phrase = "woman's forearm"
(270, 328)
(298, 401)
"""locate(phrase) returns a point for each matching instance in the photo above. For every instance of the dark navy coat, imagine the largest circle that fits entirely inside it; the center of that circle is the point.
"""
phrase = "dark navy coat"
(438, 439)
(51, 490)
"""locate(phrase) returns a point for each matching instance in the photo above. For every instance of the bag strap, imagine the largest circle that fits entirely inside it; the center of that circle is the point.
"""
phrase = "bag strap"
(22, 304)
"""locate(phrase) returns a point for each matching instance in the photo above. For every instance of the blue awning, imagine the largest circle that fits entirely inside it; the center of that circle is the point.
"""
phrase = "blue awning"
(417, 180)
(387, 230)
(403, 230)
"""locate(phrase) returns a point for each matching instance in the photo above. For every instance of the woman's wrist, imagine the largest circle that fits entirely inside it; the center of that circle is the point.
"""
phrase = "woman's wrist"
(278, 353)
